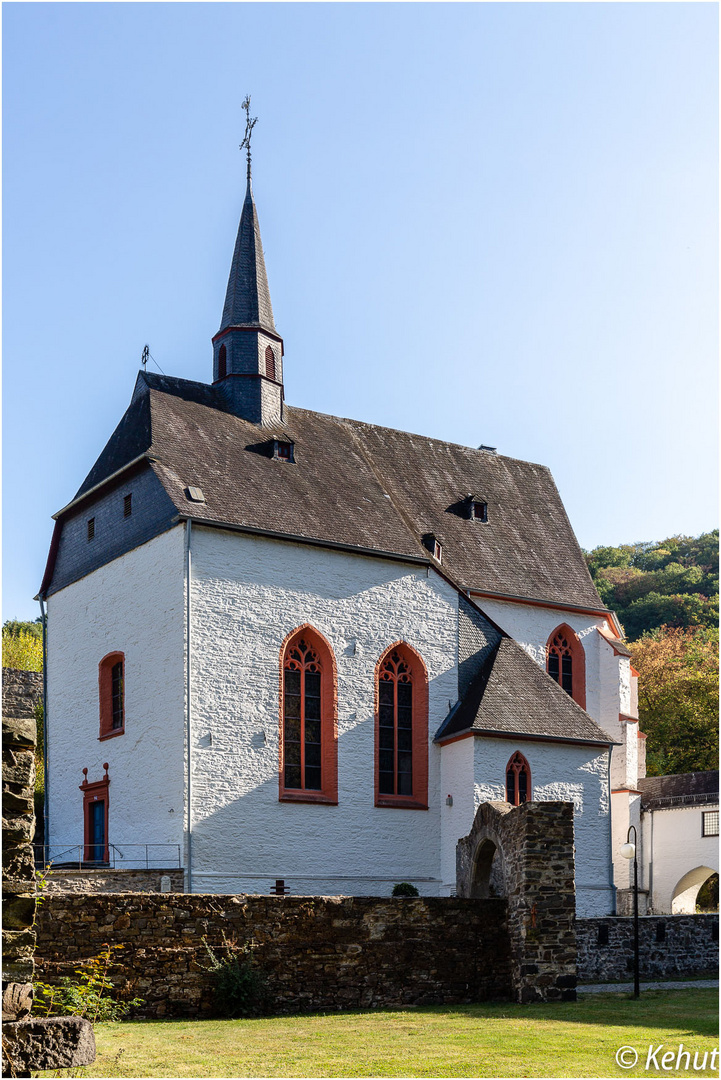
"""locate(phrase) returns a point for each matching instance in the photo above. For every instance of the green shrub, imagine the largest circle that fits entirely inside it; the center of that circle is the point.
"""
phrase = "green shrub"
(241, 987)
(88, 995)
(23, 650)
(404, 888)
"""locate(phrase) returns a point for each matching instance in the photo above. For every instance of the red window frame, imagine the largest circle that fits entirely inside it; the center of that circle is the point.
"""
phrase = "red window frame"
(564, 641)
(294, 654)
(415, 670)
(517, 766)
(95, 792)
(105, 694)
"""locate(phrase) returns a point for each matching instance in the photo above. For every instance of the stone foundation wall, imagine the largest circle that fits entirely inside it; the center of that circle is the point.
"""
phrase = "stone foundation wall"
(318, 952)
(669, 946)
(112, 881)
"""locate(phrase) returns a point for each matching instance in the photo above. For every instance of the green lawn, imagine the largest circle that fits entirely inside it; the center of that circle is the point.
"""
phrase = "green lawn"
(497, 1040)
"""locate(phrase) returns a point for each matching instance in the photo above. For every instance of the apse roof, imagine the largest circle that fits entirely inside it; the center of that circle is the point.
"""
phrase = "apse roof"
(513, 696)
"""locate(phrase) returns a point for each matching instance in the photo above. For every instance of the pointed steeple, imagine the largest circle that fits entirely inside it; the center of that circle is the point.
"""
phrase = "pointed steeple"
(247, 299)
(247, 350)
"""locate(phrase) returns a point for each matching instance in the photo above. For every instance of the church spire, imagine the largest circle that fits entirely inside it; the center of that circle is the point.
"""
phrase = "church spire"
(247, 350)
(247, 299)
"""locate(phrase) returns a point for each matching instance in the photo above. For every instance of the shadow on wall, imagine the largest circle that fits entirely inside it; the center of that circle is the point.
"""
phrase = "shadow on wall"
(688, 888)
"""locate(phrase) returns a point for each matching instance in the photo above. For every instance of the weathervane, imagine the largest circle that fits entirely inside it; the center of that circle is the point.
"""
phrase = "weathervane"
(249, 125)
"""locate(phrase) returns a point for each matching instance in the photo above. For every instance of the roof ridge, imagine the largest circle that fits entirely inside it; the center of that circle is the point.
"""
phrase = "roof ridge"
(416, 435)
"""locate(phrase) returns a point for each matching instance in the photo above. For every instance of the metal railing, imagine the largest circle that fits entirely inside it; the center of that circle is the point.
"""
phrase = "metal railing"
(108, 856)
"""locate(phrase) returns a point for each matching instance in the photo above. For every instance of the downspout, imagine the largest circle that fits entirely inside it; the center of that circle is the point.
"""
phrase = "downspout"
(610, 831)
(46, 787)
(189, 801)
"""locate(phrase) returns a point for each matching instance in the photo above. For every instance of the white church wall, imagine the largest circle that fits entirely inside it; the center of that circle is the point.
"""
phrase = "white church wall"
(456, 819)
(134, 605)
(680, 857)
(531, 626)
(585, 783)
(248, 594)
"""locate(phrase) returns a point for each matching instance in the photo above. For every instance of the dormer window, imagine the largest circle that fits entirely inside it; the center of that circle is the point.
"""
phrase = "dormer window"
(476, 508)
(283, 450)
(432, 544)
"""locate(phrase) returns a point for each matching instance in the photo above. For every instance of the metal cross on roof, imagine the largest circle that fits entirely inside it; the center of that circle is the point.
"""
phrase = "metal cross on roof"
(250, 123)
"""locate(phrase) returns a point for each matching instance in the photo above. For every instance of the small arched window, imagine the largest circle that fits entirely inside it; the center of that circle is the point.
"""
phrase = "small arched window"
(111, 680)
(566, 662)
(401, 729)
(270, 363)
(222, 362)
(518, 780)
(309, 729)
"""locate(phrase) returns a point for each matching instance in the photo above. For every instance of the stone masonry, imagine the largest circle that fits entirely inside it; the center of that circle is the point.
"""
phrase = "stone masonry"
(26, 1043)
(63, 880)
(670, 946)
(525, 853)
(318, 952)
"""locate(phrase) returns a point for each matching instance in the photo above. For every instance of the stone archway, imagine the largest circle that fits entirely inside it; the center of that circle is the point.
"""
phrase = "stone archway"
(524, 856)
(683, 900)
(487, 876)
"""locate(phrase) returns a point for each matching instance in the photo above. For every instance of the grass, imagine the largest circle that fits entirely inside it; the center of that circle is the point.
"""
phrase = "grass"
(496, 1040)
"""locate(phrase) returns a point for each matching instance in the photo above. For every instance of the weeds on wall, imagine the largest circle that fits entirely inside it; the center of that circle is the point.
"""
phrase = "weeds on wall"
(241, 986)
(86, 995)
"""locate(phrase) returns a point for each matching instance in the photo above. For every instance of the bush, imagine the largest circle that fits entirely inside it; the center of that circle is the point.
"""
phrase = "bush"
(86, 996)
(23, 650)
(241, 987)
(404, 888)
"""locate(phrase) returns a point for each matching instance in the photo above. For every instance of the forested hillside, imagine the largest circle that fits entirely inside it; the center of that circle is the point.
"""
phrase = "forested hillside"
(666, 596)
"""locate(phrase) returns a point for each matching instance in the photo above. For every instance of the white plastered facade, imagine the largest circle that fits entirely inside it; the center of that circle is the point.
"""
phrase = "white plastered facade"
(247, 595)
(677, 857)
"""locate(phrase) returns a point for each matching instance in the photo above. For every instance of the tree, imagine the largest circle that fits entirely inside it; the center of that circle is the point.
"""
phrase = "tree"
(678, 698)
(22, 649)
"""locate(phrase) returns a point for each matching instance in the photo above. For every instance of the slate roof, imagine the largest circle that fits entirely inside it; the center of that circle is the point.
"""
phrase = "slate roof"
(247, 299)
(357, 485)
(679, 789)
(512, 695)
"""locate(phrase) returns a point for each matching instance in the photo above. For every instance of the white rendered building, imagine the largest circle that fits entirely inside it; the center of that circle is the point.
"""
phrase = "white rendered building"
(303, 647)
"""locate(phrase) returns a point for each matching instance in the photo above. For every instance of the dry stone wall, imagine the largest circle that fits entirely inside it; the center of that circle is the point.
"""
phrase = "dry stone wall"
(670, 946)
(318, 952)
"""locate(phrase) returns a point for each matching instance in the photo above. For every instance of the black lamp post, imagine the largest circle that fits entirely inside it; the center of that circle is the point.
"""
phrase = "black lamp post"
(629, 851)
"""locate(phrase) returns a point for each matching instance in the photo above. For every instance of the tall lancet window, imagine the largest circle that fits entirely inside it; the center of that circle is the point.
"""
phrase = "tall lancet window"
(401, 729)
(309, 732)
(518, 780)
(566, 663)
(222, 362)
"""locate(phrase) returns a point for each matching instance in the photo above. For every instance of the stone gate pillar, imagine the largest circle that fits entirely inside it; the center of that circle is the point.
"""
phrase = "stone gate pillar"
(525, 853)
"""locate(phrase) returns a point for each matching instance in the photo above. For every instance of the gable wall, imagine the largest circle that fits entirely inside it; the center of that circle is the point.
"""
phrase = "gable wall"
(135, 605)
(115, 535)
(248, 594)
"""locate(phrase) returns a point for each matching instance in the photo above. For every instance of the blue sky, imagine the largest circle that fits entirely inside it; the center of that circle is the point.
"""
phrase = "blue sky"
(488, 223)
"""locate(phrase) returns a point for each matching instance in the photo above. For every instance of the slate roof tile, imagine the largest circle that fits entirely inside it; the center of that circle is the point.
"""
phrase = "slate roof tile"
(512, 695)
(358, 485)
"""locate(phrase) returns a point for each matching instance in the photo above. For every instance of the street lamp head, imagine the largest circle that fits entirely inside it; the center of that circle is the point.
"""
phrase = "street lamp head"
(628, 851)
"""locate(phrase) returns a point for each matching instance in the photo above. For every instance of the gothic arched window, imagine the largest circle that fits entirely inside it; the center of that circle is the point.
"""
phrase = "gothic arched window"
(309, 732)
(566, 662)
(222, 362)
(270, 363)
(401, 729)
(518, 780)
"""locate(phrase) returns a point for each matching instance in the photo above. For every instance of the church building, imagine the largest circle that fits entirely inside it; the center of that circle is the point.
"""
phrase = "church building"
(287, 645)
